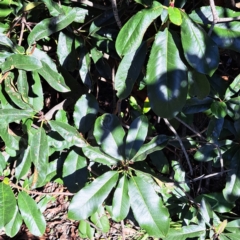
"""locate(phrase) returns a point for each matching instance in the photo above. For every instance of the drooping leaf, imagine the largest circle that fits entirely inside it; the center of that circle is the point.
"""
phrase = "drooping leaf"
(96, 155)
(166, 78)
(157, 143)
(69, 133)
(199, 50)
(136, 136)
(7, 204)
(129, 70)
(31, 214)
(131, 34)
(49, 26)
(109, 134)
(89, 199)
(232, 189)
(85, 111)
(12, 115)
(148, 208)
(14, 225)
(74, 171)
(54, 79)
(39, 156)
(121, 202)
(19, 61)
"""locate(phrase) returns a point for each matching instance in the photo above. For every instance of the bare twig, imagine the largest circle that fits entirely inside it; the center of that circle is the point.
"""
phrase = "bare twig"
(123, 233)
(181, 144)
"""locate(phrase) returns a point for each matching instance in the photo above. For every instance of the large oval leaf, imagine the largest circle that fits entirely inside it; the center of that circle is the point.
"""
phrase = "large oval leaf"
(199, 50)
(109, 134)
(121, 202)
(166, 76)
(7, 204)
(148, 208)
(69, 133)
(31, 214)
(51, 25)
(12, 115)
(231, 192)
(90, 198)
(129, 70)
(131, 35)
(85, 111)
(136, 136)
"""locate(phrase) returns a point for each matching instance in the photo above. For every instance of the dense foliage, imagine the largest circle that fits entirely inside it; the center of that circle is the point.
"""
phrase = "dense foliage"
(130, 110)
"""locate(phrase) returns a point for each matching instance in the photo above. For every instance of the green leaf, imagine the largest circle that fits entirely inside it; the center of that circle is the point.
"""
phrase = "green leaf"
(219, 109)
(206, 153)
(31, 214)
(7, 204)
(53, 7)
(121, 202)
(90, 198)
(233, 88)
(231, 192)
(14, 225)
(225, 35)
(69, 133)
(74, 171)
(85, 112)
(128, 71)
(206, 211)
(186, 232)
(157, 143)
(198, 84)
(6, 42)
(12, 115)
(131, 34)
(136, 136)
(39, 156)
(109, 134)
(35, 92)
(233, 226)
(166, 78)
(160, 161)
(85, 230)
(199, 50)
(175, 16)
(23, 163)
(96, 155)
(50, 25)
(19, 61)
(100, 219)
(22, 85)
(53, 78)
(148, 208)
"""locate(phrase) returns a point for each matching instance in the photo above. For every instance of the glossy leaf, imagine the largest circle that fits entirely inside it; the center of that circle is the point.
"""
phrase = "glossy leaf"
(54, 79)
(12, 115)
(19, 61)
(53, 7)
(74, 171)
(148, 208)
(85, 112)
(233, 226)
(49, 26)
(160, 161)
(69, 133)
(166, 76)
(109, 134)
(129, 70)
(157, 143)
(39, 156)
(89, 199)
(231, 192)
(96, 155)
(7, 204)
(131, 34)
(219, 109)
(199, 50)
(15, 224)
(121, 202)
(31, 214)
(206, 153)
(226, 34)
(6, 42)
(233, 88)
(136, 136)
